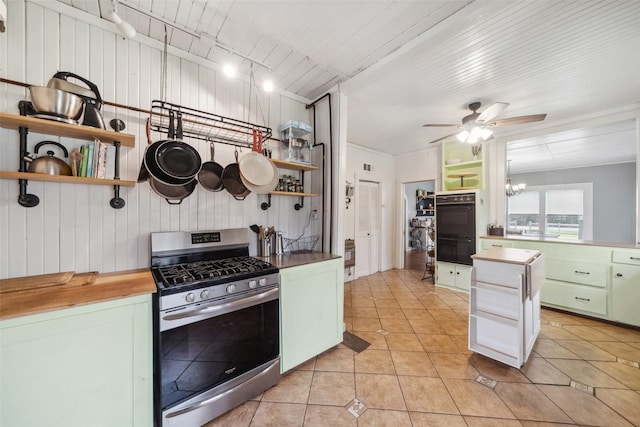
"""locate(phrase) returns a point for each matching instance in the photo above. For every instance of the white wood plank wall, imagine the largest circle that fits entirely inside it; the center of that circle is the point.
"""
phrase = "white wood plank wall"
(74, 228)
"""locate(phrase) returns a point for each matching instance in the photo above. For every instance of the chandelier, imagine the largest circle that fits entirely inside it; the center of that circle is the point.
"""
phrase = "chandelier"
(512, 190)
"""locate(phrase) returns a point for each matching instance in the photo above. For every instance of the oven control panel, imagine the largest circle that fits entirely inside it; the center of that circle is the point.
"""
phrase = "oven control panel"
(217, 292)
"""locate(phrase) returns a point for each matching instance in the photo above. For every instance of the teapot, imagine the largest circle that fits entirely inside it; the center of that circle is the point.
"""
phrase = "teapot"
(49, 164)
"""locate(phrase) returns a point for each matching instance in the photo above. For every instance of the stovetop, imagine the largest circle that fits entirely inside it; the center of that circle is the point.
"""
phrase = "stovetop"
(211, 272)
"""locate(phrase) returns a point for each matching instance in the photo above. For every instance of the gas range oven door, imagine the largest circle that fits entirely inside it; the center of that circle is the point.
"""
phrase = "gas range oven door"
(213, 357)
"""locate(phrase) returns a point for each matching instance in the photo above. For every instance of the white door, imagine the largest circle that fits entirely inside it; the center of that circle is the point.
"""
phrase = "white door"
(367, 228)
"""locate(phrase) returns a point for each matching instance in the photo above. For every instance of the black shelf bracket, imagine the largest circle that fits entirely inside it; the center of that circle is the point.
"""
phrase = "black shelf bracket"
(266, 205)
(300, 205)
(25, 199)
(117, 202)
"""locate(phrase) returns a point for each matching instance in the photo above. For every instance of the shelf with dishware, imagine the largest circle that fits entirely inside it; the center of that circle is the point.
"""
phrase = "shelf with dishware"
(24, 124)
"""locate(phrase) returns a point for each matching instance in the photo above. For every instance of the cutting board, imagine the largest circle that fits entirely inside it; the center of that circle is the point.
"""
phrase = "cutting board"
(68, 278)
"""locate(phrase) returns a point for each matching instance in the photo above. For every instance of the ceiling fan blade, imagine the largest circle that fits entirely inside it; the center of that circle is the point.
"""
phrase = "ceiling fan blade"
(518, 120)
(491, 112)
(433, 125)
(443, 138)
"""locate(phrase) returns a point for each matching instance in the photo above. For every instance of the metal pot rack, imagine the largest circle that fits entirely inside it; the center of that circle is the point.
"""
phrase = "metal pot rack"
(206, 126)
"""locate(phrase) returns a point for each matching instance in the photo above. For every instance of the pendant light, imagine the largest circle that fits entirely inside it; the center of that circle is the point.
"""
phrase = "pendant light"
(512, 190)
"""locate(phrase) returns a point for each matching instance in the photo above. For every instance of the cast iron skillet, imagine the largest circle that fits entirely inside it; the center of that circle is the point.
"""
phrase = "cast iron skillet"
(172, 161)
(210, 175)
(233, 182)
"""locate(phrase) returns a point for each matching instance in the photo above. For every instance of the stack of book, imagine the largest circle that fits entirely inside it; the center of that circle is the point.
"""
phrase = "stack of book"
(98, 160)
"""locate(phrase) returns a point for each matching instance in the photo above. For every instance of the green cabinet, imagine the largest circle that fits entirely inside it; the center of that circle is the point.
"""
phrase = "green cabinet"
(463, 166)
(312, 307)
(587, 278)
(454, 276)
(83, 366)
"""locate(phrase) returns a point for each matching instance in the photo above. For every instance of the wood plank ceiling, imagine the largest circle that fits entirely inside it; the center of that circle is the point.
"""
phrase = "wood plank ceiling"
(407, 63)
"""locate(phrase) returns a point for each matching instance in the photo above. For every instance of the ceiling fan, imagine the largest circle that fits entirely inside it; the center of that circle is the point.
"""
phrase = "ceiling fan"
(476, 126)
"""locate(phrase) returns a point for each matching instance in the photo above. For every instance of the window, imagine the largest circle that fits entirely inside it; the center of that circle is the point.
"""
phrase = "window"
(563, 211)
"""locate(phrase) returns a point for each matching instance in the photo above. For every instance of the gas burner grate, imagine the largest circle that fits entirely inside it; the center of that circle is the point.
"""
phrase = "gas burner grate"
(178, 274)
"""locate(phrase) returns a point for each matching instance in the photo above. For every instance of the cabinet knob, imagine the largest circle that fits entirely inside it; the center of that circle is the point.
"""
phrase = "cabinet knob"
(618, 274)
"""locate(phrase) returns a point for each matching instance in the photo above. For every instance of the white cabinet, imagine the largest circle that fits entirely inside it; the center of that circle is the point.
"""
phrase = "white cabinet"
(625, 292)
(83, 366)
(504, 303)
(312, 306)
(455, 276)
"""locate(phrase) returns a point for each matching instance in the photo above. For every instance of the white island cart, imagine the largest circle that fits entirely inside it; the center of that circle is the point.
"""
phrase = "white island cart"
(504, 303)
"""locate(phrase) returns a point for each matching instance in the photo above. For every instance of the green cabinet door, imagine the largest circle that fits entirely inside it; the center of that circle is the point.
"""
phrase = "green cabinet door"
(82, 366)
(311, 307)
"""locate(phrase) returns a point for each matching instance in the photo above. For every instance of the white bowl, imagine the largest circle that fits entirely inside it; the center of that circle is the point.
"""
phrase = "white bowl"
(453, 161)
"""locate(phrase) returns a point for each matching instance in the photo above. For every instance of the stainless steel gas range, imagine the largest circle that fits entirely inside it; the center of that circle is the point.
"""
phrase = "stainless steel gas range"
(216, 325)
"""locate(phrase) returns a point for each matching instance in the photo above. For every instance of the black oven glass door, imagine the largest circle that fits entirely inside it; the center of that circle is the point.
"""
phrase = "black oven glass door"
(198, 356)
(455, 250)
(456, 220)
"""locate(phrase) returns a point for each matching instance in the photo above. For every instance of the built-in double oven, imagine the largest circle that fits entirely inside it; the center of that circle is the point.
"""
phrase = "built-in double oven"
(456, 227)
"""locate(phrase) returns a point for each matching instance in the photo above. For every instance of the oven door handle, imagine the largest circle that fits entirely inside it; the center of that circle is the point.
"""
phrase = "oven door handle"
(221, 395)
(236, 305)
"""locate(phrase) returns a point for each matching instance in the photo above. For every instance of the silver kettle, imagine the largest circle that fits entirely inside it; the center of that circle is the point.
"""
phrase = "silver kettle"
(48, 165)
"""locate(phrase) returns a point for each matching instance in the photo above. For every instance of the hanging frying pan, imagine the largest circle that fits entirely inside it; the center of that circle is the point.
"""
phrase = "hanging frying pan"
(210, 175)
(233, 182)
(172, 161)
(254, 166)
(173, 194)
(262, 189)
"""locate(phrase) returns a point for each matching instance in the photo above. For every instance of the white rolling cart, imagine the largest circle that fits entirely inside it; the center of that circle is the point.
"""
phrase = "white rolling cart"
(504, 303)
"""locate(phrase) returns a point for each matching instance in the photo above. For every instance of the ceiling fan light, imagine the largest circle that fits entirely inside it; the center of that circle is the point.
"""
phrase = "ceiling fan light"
(485, 133)
(476, 132)
(462, 136)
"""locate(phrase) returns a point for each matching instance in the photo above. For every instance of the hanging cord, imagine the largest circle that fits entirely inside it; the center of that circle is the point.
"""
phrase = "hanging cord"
(306, 226)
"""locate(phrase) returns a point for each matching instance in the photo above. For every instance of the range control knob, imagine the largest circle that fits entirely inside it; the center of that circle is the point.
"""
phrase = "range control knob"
(252, 284)
(231, 289)
(190, 297)
(204, 294)
(262, 281)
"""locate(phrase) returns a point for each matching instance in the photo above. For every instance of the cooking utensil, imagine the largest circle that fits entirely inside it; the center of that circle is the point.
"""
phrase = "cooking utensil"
(262, 189)
(173, 194)
(172, 161)
(151, 155)
(49, 165)
(55, 102)
(233, 182)
(143, 175)
(210, 175)
(91, 97)
(256, 168)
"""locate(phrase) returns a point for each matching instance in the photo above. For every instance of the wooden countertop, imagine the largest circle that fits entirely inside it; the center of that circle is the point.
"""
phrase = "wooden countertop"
(295, 260)
(31, 295)
(565, 241)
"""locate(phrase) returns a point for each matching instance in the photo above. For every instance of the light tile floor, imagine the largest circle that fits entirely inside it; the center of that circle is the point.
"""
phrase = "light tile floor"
(418, 370)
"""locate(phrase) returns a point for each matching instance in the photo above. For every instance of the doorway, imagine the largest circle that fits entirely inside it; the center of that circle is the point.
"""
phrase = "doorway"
(416, 218)
(367, 228)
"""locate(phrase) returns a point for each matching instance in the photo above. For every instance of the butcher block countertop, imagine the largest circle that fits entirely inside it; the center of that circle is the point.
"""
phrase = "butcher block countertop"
(37, 294)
